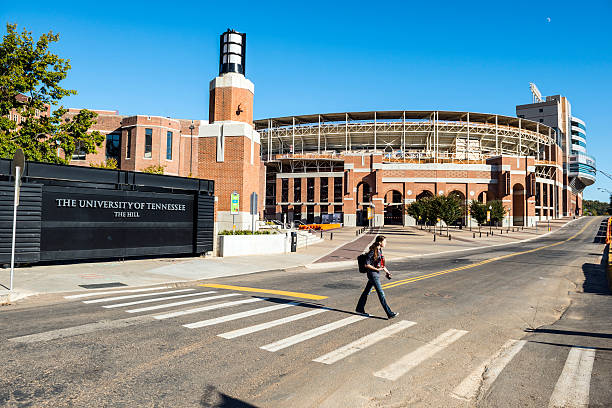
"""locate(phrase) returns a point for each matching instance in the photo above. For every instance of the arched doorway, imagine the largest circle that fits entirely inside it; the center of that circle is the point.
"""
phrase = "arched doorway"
(424, 194)
(461, 198)
(364, 198)
(518, 205)
(483, 197)
(394, 208)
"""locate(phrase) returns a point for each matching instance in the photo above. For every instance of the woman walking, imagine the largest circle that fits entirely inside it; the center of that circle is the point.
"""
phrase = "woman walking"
(375, 263)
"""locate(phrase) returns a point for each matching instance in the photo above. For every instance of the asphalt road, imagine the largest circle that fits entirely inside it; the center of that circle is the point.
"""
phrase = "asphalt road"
(520, 325)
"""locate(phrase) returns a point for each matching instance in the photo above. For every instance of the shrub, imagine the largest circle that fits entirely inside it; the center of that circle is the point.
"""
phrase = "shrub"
(108, 164)
(246, 232)
(154, 169)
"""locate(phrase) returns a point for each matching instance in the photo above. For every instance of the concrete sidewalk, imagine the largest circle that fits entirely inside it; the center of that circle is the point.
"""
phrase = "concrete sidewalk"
(341, 251)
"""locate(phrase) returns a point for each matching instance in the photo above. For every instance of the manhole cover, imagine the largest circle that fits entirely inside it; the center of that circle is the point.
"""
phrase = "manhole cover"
(103, 285)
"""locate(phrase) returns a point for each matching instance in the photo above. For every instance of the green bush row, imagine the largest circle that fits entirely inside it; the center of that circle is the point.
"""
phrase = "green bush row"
(246, 232)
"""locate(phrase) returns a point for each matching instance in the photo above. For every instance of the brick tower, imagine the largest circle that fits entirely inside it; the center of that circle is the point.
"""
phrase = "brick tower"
(229, 145)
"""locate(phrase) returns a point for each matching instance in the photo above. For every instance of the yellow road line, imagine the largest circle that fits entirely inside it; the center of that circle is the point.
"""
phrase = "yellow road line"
(270, 291)
(486, 261)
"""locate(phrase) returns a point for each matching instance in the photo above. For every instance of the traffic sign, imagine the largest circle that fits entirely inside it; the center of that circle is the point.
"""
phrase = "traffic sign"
(488, 215)
(253, 203)
(17, 170)
(234, 203)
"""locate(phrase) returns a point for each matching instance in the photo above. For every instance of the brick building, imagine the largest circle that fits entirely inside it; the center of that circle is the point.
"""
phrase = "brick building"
(342, 166)
(226, 148)
(349, 164)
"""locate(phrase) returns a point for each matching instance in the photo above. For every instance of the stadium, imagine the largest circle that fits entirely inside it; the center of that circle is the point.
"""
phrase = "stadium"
(355, 168)
(362, 168)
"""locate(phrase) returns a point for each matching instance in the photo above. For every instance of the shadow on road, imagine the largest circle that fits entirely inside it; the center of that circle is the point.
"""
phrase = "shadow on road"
(211, 398)
(570, 345)
(571, 333)
(595, 278)
(600, 237)
(316, 306)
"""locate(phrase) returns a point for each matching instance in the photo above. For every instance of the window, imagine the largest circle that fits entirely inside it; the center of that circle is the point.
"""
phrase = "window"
(128, 149)
(310, 189)
(148, 143)
(113, 146)
(541, 120)
(169, 146)
(324, 190)
(285, 190)
(297, 190)
(79, 152)
(541, 110)
(337, 189)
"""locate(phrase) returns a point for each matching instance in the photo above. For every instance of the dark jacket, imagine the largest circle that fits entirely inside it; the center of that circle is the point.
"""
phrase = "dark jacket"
(375, 263)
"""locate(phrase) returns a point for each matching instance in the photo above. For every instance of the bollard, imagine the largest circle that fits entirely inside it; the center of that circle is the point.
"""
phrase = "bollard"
(487, 234)
(434, 237)
(474, 235)
(480, 235)
(331, 236)
(449, 237)
(321, 234)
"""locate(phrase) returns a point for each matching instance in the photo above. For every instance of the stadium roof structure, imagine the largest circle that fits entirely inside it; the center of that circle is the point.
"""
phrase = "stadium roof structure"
(432, 133)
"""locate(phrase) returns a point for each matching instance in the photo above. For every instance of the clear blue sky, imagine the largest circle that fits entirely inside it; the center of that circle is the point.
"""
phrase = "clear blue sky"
(314, 57)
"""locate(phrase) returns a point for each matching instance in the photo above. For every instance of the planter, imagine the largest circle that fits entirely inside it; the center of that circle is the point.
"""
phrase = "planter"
(237, 245)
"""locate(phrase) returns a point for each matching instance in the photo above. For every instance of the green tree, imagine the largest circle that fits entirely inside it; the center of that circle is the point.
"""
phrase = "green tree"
(478, 211)
(449, 209)
(30, 76)
(416, 210)
(595, 207)
(498, 211)
(431, 210)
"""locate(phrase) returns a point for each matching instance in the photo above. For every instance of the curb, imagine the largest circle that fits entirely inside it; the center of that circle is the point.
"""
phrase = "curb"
(340, 264)
(14, 296)
(10, 297)
(608, 264)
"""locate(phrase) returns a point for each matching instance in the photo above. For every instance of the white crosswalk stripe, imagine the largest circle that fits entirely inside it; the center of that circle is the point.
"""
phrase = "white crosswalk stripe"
(409, 361)
(113, 292)
(481, 379)
(112, 299)
(206, 308)
(573, 386)
(298, 338)
(258, 327)
(138, 302)
(183, 302)
(363, 342)
(240, 315)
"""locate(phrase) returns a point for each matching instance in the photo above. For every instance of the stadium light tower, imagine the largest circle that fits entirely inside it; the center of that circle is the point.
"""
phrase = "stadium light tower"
(537, 95)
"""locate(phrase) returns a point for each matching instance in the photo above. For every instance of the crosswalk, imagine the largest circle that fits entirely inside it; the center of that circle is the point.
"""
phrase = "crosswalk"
(571, 389)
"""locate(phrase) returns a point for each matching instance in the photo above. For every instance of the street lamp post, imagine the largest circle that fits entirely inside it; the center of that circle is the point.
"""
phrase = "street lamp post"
(490, 220)
(191, 127)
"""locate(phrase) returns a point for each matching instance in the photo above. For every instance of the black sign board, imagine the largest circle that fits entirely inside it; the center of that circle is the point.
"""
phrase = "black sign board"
(83, 223)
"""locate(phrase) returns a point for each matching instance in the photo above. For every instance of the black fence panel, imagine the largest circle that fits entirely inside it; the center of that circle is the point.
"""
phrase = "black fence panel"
(205, 223)
(81, 223)
(71, 212)
(27, 234)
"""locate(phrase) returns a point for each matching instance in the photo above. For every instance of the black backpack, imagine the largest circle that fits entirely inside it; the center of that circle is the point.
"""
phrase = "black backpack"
(361, 261)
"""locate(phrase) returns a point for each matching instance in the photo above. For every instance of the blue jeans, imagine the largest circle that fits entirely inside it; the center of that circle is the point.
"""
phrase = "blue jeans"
(373, 280)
